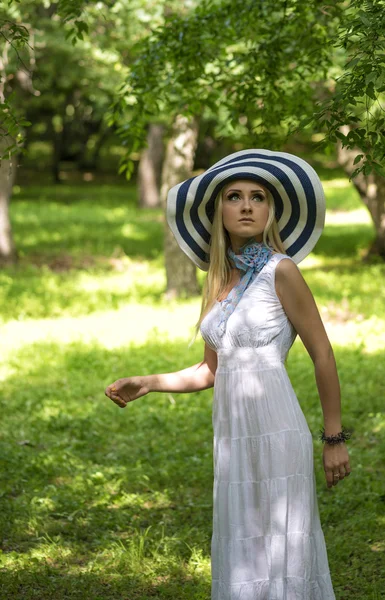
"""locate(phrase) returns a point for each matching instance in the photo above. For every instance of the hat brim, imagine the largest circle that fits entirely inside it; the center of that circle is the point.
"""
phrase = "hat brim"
(295, 187)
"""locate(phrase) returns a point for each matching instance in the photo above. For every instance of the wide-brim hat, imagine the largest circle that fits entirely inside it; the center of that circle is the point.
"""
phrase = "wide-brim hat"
(295, 186)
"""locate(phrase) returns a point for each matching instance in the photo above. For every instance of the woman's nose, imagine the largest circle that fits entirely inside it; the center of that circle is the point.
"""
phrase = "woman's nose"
(246, 205)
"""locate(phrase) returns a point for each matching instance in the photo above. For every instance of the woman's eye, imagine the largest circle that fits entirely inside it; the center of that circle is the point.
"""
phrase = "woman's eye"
(258, 197)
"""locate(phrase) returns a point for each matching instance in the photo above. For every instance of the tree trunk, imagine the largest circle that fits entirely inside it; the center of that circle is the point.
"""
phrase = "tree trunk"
(178, 164)
(8, 164)
(56, 155)
(371, 189)
(150, 168)
(8, 254)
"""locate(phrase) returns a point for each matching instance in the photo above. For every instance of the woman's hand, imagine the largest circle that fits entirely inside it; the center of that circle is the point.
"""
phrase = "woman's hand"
(336, 462)
(126, 390)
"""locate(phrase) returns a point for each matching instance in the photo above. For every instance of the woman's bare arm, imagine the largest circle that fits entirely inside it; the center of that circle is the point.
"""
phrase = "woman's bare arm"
(192, 379)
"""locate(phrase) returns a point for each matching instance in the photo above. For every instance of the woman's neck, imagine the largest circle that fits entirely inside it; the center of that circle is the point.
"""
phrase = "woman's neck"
(238, 245)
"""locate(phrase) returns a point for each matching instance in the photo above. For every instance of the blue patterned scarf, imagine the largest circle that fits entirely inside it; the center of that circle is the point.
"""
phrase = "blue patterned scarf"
(252, 258)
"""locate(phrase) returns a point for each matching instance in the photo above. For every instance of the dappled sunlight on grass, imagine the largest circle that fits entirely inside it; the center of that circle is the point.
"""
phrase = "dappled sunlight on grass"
(124, 297)
(331, 184)
(103, 503)
(101, 483)
(94, 251)
(341, 195)
(340, 217)
(344, 241)
(79, 230)
(42, 293)
(138, 323)
(111, 329)
(110, 492)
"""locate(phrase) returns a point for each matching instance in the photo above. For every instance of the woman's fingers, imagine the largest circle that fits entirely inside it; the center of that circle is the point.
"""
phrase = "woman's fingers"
(108, 391)
(335, 475)
(329, 477)
(336, 463)
(111, 393)
(119, 402)
(124, 390)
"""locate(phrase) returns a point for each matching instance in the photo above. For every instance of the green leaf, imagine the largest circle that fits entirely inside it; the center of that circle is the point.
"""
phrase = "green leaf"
(358, 158)
(364, 19)
(81, 26)
(353, 62)
(340, 135)
(370, 91)
(355, 173)
(304, 122)
(371, 77)
(379, 168)
(380, 80)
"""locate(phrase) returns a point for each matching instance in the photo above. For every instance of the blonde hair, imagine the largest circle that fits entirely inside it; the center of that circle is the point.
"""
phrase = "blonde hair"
(219, 273)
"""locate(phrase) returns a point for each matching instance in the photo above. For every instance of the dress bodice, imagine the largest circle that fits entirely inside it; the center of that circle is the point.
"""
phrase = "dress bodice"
(258, 321)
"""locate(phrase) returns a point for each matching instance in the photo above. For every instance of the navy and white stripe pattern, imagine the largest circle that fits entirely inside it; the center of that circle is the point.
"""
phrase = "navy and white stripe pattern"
(295, 186)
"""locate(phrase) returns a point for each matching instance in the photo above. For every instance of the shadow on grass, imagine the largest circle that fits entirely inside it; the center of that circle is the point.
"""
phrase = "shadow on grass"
(344, 241)
(96, 220)
(65, 240)
(88, 486)
(54, 582)
(115, 194)
(40, 293)
(92, 231)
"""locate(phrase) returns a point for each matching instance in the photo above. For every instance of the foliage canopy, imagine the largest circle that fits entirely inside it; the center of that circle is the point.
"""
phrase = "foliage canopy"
(272, 66)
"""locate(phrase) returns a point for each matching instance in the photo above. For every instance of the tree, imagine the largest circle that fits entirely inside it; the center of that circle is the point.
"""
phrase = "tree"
(354, 115)
(273, 67)
(178, 164)
(251, 63)
(150, 167)
(79, 53)
(17, 37)
(354, 112)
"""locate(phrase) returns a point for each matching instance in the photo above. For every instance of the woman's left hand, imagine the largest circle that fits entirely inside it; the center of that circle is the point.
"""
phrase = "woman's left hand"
(336, 463)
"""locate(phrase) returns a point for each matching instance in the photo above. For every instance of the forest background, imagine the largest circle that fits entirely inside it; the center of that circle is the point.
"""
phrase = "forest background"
(105, 106)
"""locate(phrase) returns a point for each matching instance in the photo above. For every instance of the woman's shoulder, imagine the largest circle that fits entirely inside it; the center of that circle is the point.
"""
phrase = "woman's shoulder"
(281, 255)
(285, 270)
(279, 263)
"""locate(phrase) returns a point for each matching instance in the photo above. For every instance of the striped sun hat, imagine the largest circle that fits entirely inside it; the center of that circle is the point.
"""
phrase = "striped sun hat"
(295, 186)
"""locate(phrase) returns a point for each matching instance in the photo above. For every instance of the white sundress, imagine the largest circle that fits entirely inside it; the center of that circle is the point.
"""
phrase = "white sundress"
(267, 542)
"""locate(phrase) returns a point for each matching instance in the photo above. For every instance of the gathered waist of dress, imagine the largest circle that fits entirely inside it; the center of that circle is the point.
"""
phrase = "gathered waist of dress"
(249, 359)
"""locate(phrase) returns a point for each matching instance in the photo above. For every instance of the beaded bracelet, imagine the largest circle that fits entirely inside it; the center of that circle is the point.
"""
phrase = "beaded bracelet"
(340, 437)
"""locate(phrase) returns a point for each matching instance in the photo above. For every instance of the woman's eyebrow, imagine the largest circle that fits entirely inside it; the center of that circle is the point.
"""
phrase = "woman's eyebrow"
(252, 191)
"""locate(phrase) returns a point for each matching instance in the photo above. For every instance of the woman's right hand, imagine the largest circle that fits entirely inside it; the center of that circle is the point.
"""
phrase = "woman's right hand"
(126, 390)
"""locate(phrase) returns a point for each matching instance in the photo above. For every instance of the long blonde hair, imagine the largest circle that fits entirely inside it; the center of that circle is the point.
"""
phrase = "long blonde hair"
(219, 273)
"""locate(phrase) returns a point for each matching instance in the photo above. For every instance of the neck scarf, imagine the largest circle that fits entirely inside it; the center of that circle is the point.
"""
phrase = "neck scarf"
(251, 259)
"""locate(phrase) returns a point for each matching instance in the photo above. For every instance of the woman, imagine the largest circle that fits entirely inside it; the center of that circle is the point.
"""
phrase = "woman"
(248, 221)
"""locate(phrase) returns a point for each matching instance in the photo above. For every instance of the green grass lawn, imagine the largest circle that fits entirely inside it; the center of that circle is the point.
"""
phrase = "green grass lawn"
(110, 504)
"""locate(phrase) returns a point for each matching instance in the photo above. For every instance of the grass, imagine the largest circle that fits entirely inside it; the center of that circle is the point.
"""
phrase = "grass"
(108, 504)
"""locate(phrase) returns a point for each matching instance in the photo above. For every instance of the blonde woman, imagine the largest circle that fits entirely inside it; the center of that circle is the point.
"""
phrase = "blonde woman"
(248, 221)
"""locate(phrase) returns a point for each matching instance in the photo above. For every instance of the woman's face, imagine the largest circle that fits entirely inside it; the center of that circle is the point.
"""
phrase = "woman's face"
(245, 211)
